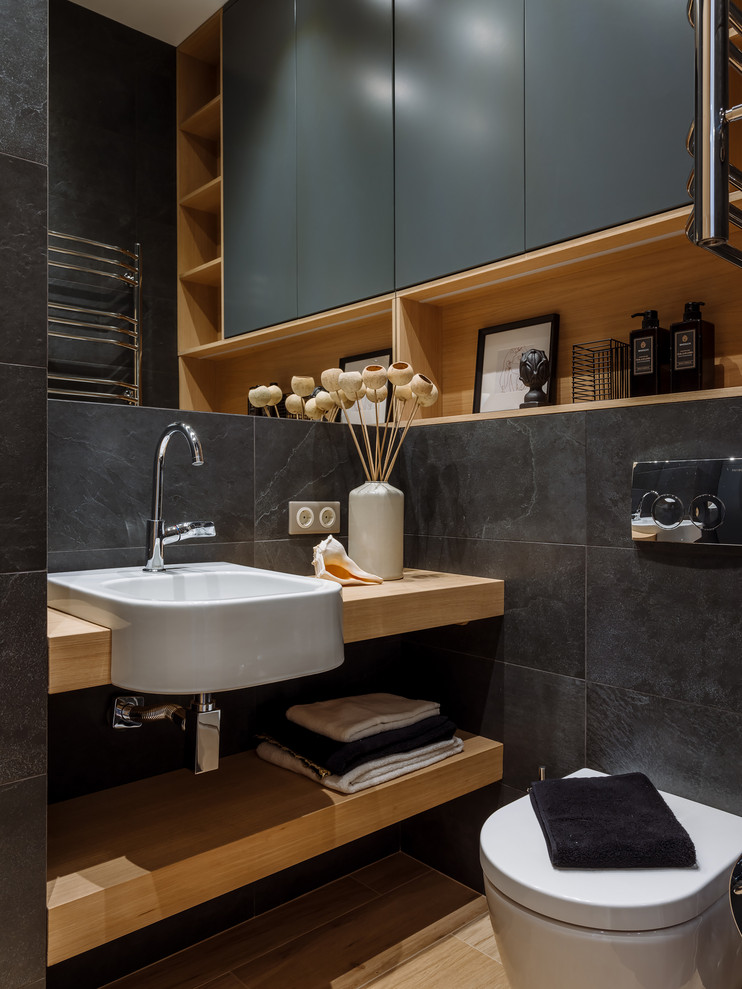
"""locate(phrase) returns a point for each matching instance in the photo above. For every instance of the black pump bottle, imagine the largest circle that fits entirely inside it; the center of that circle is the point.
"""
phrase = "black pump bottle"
(650, 356)
(692, 343)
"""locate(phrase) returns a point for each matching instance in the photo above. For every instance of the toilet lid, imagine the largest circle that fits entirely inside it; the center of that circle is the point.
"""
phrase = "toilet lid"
(516, 861)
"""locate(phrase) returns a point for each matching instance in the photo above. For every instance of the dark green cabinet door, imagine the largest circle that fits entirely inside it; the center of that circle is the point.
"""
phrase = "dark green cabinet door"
(259, 149)
(458, 134)
(609, 99)
(344, 151)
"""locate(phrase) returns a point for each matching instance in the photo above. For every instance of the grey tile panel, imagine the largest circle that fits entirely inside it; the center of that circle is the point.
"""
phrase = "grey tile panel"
(100, 475)
(510, 479)
(23, 675)
(22, 489)
(543, 624)
(23, 97)
(687, 749)
(666, 621)
(22, 891)
(618, 437)
(23, 260)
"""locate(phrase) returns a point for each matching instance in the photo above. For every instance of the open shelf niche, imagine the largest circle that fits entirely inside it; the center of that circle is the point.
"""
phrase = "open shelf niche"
(594, 283)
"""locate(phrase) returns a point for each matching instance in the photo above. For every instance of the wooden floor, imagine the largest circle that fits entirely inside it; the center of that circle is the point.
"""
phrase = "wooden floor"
(395, 924)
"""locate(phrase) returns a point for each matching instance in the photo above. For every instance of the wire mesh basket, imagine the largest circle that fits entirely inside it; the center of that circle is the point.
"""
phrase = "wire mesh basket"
(600, 370)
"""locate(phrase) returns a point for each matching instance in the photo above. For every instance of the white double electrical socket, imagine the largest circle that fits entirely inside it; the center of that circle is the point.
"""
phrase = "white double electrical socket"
(313, 516)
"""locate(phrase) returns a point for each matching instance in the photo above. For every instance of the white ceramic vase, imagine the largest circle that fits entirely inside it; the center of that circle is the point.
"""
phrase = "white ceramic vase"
(376, 528)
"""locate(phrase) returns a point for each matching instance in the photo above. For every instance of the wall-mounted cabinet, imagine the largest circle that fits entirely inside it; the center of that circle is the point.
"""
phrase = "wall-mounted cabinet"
(308, 158)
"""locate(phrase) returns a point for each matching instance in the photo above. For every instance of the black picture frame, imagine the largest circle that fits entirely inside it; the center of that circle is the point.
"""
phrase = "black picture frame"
(497, 385)
(357, 362)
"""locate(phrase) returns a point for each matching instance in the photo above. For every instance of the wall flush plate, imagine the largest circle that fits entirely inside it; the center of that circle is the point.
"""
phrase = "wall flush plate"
(314, 517)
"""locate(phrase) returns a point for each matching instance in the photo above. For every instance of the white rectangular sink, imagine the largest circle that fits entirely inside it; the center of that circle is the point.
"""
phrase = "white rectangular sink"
(201, 628)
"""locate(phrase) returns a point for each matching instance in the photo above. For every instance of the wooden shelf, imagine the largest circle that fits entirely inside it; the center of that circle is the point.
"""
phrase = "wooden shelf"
(207, 198)
(209, 273)
(207, 121)
(593, 282)
(127, 857)
(422, 599)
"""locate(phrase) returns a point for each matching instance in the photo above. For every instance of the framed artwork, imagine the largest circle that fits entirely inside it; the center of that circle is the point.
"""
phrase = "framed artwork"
(357, 363)
(497, 383)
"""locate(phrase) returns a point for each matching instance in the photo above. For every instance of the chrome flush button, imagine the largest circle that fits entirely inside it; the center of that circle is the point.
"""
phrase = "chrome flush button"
(707, 511)
(667, 511)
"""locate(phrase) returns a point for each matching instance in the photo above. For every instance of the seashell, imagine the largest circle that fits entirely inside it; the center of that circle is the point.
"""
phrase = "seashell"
(403, 393)
(374, 376)
(425, 400)
(400, 373)
(421, 385)
(329, 378)
(331, 562)
(294, 405)
(302, 385)
(351, 382)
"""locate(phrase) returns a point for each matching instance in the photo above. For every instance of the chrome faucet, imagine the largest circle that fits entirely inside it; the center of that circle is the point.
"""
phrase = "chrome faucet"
(158, 534)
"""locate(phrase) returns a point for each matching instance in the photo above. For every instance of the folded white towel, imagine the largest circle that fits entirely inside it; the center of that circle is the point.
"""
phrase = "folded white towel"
(370, 773)
(347, 719)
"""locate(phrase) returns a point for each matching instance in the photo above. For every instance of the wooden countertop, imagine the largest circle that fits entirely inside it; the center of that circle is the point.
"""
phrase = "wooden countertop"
(80, 652)
(124, 858)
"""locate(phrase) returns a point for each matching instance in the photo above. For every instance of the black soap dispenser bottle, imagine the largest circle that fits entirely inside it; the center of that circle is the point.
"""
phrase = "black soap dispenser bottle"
(650, 356)
(692, 342)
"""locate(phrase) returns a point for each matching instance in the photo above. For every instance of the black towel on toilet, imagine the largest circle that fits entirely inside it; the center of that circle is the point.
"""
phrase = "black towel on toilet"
(610, 822)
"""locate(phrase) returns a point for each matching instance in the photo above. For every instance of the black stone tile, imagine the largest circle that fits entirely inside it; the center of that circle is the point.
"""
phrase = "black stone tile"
(469, 689)
(100, 476)
(618, 437)
(23, 103)
(156, 191)
(22, 479)
(155, 90)
(687, 749)
(116, 959)
(294, 460)
(543, 625)
(23, 889)
(196, 551)
(300, 879)
(447, 837)
(23, 269)
(23, 675)
(544, 725)
(291, 555)
(161, 391)
(158, 242)
(665, 620)
(95, 756)
(513, 479)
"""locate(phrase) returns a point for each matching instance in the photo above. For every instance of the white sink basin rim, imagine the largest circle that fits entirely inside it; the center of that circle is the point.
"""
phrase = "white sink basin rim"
(202, 628)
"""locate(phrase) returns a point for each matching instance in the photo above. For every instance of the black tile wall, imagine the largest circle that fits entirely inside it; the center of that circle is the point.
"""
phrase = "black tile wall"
(23, 95)
(23, 930)
(112, 163)
(23, 664)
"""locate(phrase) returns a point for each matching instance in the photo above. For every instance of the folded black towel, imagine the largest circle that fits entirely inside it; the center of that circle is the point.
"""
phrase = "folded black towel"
(610, 822)
(327, 757)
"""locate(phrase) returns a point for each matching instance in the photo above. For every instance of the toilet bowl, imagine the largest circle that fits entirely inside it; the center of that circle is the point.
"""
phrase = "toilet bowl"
(613, 928)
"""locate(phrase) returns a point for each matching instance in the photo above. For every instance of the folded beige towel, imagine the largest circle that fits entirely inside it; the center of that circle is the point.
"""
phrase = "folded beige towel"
(370, 773)
(347, 719)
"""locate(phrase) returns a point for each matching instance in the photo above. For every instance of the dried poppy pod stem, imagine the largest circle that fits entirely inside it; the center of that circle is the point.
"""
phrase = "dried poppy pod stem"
(324, 401)
(374, 376)
(400, 373)
(421, 385)
(402, 395)
(259, 398)
(275, 397)
(345, 403)
(423, 401)
(376, 396)
(302, 385)
(294, 405)
(351, 382)
(311, 410)
(330, 378)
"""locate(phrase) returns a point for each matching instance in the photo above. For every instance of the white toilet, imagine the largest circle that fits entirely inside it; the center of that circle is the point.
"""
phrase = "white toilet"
(613, 928)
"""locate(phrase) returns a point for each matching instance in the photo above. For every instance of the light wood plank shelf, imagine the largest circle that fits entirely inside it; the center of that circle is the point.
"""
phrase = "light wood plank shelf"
(207, 121)
(209, 273)
(207, 197)
(127, 857)
(422, 599)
